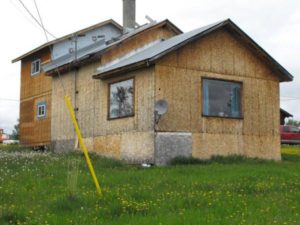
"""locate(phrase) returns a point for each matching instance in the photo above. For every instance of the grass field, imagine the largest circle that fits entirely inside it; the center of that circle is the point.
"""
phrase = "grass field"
(44, 188)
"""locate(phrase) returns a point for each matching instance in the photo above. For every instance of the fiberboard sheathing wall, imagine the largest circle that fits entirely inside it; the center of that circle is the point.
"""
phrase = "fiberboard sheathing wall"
(223, 56)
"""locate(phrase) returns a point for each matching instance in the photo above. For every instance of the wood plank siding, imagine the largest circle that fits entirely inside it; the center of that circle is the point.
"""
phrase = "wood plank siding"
(35, 89)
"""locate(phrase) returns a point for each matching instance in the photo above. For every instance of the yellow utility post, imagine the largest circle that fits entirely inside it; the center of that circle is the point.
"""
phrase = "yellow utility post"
(82, 145)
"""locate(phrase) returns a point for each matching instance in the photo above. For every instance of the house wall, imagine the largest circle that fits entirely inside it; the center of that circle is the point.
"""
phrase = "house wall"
(127, 138)
(220, 55)
(34, 89)
(132, 138)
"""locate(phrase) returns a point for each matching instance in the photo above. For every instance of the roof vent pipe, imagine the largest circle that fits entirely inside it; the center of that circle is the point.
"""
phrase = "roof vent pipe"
(128, 15)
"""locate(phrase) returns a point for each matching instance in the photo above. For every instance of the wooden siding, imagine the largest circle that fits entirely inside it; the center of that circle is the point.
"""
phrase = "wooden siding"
(220, 55)
(35, 89)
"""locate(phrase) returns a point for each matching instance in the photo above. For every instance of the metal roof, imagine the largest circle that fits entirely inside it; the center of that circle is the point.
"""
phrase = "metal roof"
(110, 21)
(150, 55)
(99, 47)
(285, 113)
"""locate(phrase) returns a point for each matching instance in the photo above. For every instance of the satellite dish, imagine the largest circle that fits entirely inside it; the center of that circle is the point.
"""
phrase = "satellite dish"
(161, 107)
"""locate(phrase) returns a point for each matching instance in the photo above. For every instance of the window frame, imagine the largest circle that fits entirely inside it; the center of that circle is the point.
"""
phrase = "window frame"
(33, 62)
(241, 117)
(133, 98)
(41, 104)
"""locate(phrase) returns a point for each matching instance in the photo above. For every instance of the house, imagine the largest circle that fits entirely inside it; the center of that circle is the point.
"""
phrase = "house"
(3, 136)
(221, 88)
(283, 115)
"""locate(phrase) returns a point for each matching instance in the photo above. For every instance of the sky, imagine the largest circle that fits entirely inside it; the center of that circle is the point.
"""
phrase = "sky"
(273, 24)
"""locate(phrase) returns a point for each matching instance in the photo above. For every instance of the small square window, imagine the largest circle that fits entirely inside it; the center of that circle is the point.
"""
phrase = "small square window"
(121, 99)
(35, 67)
(41, 110)
(221, 98)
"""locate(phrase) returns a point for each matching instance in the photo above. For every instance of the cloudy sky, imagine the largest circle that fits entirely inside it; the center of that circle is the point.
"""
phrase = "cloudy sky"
(273, 24)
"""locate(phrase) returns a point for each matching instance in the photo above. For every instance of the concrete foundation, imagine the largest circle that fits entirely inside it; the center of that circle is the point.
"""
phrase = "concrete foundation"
(61, 146)
(169, 145)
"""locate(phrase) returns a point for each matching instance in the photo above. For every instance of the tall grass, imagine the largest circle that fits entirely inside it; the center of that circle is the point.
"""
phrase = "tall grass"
(49, 189)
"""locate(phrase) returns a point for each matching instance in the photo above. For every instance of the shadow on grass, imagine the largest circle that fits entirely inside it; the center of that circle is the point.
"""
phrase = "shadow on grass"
(290, 157)
(10, 217)
(68, 203)
(232, 159)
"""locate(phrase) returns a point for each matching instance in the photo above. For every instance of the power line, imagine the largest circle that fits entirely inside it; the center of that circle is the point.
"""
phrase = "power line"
(44, 29)
(9, 100)
(50, 49)
(290, 97)
(33, 17)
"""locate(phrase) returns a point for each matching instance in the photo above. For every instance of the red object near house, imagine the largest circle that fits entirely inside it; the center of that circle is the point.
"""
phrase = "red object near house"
(1, 135)
(289, 134)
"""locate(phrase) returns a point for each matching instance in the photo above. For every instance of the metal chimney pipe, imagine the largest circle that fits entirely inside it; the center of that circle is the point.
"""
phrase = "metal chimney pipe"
(128, 14)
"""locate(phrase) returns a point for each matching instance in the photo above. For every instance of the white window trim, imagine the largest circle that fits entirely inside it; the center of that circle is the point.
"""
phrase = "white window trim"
(38, 110)
(37, 72)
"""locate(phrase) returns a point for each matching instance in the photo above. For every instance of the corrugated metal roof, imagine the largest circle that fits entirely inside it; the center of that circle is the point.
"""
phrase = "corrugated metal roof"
(81, 54)
(110, 21)
(154, 50)
(149, 55)
(92, 49)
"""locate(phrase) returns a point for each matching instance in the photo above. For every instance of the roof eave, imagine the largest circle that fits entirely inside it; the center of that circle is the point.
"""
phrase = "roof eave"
(152, 60)
(116, 72)
(285, 75)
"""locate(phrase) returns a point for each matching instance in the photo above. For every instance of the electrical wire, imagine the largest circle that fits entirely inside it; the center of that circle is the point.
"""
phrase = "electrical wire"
(44, 29)
(50, 49)
(9, 100)
(33, 17)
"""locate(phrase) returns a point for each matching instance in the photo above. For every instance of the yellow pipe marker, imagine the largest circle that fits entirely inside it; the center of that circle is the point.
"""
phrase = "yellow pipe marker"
(82, 145)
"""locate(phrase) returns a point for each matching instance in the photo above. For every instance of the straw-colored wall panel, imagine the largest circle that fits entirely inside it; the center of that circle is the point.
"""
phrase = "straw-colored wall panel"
(92, 100)
(220, 55)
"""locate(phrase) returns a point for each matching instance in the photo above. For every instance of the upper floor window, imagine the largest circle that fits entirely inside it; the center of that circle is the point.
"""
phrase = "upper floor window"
(41, 110)
(221, 98)
(121, 99)
(35, 67)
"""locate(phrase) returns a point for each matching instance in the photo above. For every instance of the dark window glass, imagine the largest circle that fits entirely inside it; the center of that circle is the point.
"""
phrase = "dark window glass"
(41, 110)
(121, 99)
(35, 67)
(221, 98)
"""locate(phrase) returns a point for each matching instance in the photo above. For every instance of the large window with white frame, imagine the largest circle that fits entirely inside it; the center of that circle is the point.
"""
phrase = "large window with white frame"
(41, 109)
(35, 67)
(221, 98)
(121, 99)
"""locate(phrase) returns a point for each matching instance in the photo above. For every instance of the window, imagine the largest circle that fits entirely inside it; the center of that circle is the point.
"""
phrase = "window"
(41, 110)
(35, 67)
(121, 99)
(221, 98)
(295, 130)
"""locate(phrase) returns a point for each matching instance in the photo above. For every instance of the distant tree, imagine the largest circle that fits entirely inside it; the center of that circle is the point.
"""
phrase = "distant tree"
(16, 131)
(293, 122)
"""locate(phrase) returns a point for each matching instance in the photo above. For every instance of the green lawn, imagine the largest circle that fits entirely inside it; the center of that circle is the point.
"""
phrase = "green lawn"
(38, 188)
